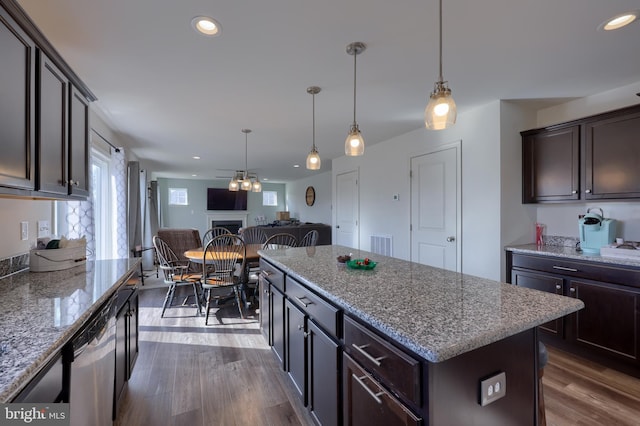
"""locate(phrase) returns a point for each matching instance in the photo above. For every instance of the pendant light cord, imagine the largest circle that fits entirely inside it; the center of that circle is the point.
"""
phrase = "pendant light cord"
(246, 170)
(355, 54)
(313, 97)
(441, 78)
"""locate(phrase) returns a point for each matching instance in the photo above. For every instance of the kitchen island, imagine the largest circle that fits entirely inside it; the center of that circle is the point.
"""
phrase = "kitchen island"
(437, 333)
(42, 311)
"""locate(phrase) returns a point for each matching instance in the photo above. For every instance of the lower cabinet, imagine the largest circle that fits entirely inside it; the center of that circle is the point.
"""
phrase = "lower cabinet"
(47, 386)
(276, 299)
(126, 345)
(367, 403)
(608, 328)
(323, 378)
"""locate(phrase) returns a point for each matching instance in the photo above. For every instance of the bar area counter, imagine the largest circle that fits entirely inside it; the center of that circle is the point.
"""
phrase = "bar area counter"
(41, 311)
(459, 328)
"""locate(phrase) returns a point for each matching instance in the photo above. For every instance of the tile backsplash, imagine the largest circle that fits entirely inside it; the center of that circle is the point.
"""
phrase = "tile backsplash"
(13, 264)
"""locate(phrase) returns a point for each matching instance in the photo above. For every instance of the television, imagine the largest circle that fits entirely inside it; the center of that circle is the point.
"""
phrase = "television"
(223, 199)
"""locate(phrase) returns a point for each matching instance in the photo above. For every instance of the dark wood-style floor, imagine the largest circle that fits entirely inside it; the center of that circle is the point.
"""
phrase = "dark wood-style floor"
(225, 374)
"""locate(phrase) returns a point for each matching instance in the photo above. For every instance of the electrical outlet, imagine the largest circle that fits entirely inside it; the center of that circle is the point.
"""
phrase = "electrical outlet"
(493, 388)
(24, 231)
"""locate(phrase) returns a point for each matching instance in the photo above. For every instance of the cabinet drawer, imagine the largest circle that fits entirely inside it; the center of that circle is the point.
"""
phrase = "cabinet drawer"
(272, 274)
(397, 369)
(323, 313)
(573, 268)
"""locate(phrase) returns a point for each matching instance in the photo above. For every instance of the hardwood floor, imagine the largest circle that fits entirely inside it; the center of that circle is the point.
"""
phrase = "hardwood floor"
(225, 374)
(189, 374)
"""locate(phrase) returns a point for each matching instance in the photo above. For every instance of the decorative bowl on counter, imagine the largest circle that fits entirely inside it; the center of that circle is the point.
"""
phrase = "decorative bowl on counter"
(361, 264)
(343, 258)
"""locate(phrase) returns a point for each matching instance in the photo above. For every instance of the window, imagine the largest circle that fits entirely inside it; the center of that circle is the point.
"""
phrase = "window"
(269, 198)
(178, 197)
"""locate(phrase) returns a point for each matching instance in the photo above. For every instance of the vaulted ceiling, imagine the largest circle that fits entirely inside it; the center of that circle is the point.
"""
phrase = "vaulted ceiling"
(172, 94)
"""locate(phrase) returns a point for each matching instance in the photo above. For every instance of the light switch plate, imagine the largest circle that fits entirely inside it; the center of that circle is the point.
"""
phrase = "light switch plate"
(493, 388)
(24, 231)
(43, 229)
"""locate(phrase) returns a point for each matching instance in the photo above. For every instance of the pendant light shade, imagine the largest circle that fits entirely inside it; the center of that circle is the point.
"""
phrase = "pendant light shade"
(354, 144)
(234, 185)
(313, 159)
(441, 111)
(257, 186)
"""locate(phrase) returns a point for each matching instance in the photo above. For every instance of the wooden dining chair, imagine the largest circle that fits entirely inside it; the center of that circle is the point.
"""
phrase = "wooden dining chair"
(212, 233)
(252, 235)
(310, 239)
(175, 273)
(279, 241)
(224, 253)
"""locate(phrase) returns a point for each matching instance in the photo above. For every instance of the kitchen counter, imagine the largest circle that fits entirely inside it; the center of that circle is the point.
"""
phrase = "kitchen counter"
(42, 311)
(438, 314)
(570, 253)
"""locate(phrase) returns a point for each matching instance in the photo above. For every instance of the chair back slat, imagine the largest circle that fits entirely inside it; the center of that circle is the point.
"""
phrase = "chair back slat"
(212, 233)
(280, 241)
(221, 255)
(310, 239)
(253, 235)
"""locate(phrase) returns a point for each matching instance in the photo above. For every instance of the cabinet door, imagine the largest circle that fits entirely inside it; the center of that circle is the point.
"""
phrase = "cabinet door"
(365, 402)
(121, 370)
(543, 282)
(609, 322)
(265, 311)
(132, 334)
(323, 387)
(78, 144)
(52, 128)
(277, 323)
(295, 326)
(550, 165)
(17, 105)
(612, 155)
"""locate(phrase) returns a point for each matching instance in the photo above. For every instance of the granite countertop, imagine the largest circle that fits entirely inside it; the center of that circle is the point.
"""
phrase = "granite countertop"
(42, 311)
(438, 314)
(571, 253)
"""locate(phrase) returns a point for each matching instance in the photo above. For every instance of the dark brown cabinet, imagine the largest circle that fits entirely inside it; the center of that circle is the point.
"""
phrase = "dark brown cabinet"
(368, 403)
(44, 114)
(612, 156)
(78, 172)
(551, 165)
(126, 342)
(592, 158)
(608, 328)
(17, 105)
(323, 376)
(52, 128)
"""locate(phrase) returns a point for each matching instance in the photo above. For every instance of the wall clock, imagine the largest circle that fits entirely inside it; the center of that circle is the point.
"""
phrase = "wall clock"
(310, 195)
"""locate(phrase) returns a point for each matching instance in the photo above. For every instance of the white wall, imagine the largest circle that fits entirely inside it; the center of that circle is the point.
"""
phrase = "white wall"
(14, 211)
(320, 212)
(384, 171)
(562, 219)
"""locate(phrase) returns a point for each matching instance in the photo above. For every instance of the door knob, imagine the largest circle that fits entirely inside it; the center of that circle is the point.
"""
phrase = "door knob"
(451, 239)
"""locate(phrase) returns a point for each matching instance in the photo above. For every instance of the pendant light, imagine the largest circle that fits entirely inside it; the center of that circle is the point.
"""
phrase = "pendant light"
(354, 144)
(440, 112)
(242, 179)
(313, 159)
(245, 184)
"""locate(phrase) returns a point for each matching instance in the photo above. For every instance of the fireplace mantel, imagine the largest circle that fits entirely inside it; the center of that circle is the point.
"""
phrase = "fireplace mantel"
(233, 215)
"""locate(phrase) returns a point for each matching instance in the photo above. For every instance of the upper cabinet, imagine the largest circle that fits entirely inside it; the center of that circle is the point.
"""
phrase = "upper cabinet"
(612, 156)
(593, 158)
(44, 114)
(17, 105)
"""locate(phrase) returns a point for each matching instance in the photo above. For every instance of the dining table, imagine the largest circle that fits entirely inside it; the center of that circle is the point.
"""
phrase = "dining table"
(196, 255)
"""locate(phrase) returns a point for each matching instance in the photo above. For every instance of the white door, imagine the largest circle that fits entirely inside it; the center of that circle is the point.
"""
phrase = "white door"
(347, 209)
(435, 209)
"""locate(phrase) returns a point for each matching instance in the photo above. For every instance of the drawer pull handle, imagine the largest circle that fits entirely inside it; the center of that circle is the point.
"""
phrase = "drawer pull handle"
(375, 396)
(562, 268)
(360, 349)
(558, 287)
(572, 290)
(306, 304)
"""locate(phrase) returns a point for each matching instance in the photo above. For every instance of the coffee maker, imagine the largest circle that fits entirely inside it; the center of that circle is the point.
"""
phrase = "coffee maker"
(595, 231)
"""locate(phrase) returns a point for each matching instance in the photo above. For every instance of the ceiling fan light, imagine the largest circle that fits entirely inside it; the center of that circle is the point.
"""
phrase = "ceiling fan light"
(354, 144)
(313, 160)
(234, 185)
(441, 111)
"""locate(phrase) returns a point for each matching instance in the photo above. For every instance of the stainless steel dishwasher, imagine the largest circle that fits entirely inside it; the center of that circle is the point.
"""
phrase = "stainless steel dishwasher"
(92, 369)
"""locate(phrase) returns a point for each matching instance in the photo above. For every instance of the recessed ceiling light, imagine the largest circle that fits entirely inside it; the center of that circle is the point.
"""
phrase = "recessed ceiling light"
(206, 26)
(619, 21)
(195, 157)
(194, 175)
(295, 166)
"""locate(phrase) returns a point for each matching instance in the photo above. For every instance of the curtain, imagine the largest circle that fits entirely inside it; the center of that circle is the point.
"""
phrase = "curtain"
(119, 199)
(134, 218)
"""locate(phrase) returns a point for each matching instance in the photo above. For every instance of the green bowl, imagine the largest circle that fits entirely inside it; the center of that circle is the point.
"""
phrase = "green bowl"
(353, 264)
